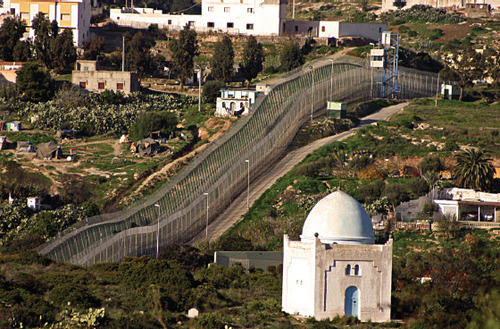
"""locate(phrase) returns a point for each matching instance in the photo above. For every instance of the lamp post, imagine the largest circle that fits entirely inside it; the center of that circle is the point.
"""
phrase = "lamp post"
(206, 225)
(199, 87)
(158, 232)
(248, 182)
(331, 81)
(312, 92)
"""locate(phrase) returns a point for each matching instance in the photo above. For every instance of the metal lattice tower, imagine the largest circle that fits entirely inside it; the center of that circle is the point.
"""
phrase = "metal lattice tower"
(386, 59)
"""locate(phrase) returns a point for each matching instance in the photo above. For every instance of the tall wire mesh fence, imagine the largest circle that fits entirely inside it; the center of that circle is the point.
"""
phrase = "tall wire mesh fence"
(178, 211)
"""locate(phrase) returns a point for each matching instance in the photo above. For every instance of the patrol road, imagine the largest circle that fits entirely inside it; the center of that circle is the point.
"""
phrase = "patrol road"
(234, 212)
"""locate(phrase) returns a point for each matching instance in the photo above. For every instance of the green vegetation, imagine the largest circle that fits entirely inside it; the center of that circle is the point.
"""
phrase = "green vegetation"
(148, 122)
(98, 114)
(421, 13)
(142, 292)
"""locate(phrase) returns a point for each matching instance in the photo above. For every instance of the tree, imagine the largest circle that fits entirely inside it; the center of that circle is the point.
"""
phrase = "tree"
(463, 68)
(223, 59)
(252, 59)
(23, 51)
(138, 53)
(35, 82)
(184, 49)
(54, 50)
(11, 32)
(153, 121)
(291, 56)
(431, 163)
(62, 51)
(211, 90)
(44, 31)
(93, 48)
(395, 193)
(364, 4)
(473, 170)
(492, 62)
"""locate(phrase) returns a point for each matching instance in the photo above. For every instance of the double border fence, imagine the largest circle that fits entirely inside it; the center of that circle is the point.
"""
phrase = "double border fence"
(216, 176)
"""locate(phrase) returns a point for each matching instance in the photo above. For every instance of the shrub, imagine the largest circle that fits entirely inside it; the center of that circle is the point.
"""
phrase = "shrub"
(211, 90)
(418, 186)
(153, 121)
(370, 192)
(431, 163)
(77, 295)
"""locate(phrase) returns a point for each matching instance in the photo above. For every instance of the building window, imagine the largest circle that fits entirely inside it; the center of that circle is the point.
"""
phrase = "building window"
(249, 26)
(169, 22)
(210, 24)
(211, 9)
(119, 86)
(356, 270)
(83, 84)
(348, 270)
(227, 9)
(25, 15)
(65, 17)
(296, 28)
(85, 68)
(323, 29)
(100, 85)
(230, 25)
(379, 30)
(250, 10)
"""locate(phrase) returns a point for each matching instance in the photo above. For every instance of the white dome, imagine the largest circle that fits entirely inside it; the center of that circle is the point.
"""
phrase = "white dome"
(339, 218)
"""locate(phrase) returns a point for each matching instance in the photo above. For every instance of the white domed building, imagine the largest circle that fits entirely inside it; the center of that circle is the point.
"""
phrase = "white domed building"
(335, 268)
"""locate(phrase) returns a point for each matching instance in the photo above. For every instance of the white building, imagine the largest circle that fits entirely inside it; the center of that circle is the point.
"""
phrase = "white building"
(235, 102)
(469, 205)
(335, 29)
(335, 268)
(248, 17)
(257, 17)
(69, 14)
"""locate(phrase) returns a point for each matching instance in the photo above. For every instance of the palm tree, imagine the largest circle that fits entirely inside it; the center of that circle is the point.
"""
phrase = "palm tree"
(474, 170)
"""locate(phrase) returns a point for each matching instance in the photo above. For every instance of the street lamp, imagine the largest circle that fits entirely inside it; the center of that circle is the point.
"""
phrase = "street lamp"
(199, 87)
(331, 82)
(312, 92)
(206, 226)
(248, 182)
(158, 232)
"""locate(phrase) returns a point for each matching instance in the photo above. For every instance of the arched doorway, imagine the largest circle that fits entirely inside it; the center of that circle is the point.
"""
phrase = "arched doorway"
(352, 301)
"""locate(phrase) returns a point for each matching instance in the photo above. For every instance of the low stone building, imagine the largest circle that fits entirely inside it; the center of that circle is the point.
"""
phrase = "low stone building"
(88, 76)
(336, 269)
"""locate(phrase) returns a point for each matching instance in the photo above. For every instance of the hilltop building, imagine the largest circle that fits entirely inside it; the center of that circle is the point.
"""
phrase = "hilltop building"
(69, 14)
(335, 268)
(88, 76)
(247, 17)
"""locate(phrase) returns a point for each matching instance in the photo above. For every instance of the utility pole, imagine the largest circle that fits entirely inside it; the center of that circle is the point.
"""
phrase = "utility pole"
(206, 225)
(158, 232)
(123, 54)
(248, 182)
(312, 92)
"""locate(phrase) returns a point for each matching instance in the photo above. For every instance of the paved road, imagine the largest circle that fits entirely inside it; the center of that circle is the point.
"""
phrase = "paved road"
(237, 208)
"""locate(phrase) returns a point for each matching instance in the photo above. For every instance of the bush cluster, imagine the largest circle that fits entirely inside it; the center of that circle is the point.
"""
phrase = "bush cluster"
(420, 13)
(98, 114)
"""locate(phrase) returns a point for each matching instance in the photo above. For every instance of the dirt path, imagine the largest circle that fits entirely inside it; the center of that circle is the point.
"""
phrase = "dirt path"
(234, 212)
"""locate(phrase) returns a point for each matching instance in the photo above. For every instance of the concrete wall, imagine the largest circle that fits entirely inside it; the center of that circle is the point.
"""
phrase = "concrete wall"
(110, 79)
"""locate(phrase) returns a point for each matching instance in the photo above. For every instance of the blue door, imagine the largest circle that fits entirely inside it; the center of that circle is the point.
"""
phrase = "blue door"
(352, 302)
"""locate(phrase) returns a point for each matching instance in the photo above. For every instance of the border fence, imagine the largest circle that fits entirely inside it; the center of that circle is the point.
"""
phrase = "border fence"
(183, 207)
